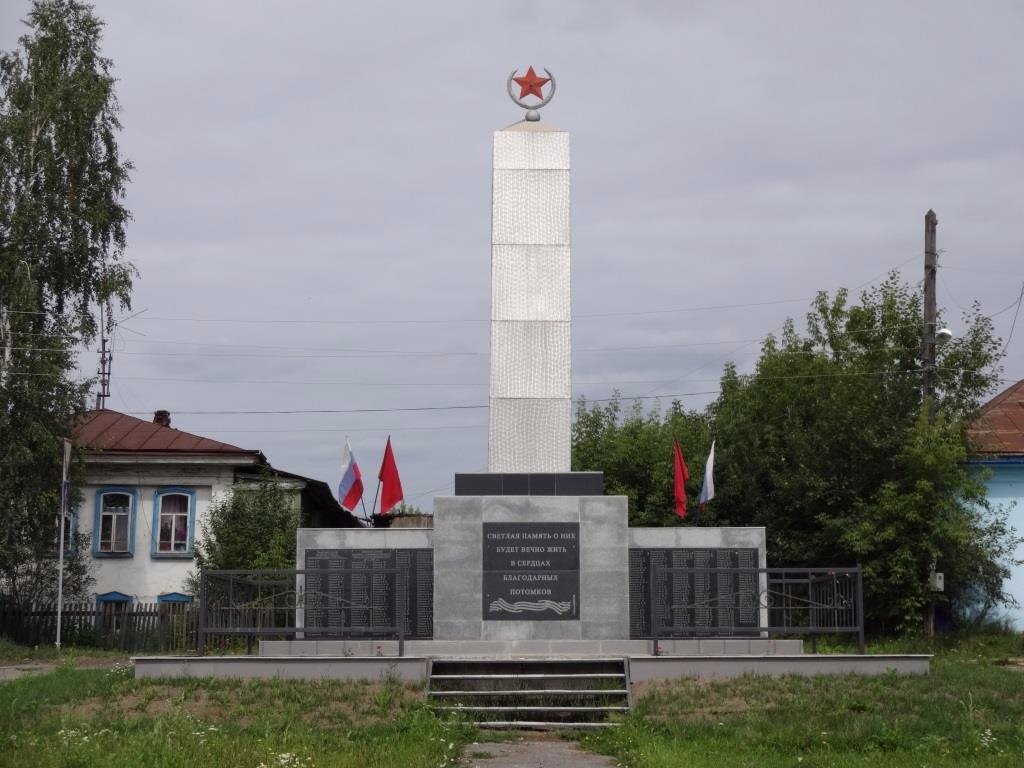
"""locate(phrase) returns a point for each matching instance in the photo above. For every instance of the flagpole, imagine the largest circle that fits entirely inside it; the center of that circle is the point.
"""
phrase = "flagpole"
(375, 494)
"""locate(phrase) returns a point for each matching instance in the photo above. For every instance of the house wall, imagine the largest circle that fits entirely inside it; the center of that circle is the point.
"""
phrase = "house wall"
(143, 576)
(1006, 489)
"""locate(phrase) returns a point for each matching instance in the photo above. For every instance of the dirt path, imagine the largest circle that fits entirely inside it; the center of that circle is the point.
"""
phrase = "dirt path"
(14, 671)
(532, 753)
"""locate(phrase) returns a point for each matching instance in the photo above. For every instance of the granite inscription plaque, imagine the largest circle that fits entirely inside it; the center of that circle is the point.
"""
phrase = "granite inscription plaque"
(694, 603)
(356, 597)
(531, 571)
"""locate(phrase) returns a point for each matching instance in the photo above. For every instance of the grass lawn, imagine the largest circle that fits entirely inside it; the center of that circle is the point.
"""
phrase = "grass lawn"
(78, 718)
(968, 712)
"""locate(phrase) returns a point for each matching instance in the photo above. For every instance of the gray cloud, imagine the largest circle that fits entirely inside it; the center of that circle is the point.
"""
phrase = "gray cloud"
(331, 161)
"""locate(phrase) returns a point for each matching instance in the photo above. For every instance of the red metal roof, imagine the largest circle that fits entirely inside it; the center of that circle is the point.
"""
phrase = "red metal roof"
(1000, 427)
(113, 431)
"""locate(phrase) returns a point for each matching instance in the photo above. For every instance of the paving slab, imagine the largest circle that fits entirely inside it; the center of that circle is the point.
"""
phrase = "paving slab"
(532, 753)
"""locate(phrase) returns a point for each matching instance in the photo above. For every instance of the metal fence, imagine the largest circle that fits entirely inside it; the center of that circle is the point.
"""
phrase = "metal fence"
(755, 602)
(683, 603)
(298, 603)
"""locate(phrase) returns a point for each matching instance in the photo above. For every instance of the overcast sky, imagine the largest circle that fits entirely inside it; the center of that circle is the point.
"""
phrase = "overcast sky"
(328, 164)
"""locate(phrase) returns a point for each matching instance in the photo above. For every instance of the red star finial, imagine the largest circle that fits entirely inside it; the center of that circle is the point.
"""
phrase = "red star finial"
(530, 84)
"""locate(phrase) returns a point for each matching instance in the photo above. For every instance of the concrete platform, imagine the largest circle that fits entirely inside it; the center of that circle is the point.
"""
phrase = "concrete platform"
(502, 649)
(407, 668)
(654, 668)
(642, 668)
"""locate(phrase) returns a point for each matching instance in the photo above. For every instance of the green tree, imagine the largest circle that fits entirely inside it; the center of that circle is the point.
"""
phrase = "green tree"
(62, 241)
(933, 510)
(634, 450)
(37, 403)
(251, 527)
(825, 445)
(61, 209)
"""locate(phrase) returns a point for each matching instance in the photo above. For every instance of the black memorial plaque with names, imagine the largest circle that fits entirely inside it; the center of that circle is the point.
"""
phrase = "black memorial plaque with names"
(365, 601)
(694, 603)
(531, 571)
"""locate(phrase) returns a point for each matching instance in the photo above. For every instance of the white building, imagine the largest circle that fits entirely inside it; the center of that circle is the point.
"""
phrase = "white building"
(147, 491)
(997, 436)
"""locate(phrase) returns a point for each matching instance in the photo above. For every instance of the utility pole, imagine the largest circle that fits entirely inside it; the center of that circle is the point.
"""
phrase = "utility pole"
(104, 369)
(931, 258)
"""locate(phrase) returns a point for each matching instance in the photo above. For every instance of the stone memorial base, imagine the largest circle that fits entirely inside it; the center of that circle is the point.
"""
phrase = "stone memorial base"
(531, 568)
(526, 568)
(531, 649)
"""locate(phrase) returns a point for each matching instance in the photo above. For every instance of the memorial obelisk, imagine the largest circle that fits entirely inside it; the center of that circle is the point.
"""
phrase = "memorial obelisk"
(531, 383)
(529, 554)
(530, 551)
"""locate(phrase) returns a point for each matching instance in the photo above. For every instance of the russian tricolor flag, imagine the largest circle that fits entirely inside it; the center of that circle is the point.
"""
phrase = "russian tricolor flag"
(707, 492)
(350, 490)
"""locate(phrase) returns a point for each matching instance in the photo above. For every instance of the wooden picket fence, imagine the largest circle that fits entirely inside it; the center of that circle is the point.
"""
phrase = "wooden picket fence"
(132, 628)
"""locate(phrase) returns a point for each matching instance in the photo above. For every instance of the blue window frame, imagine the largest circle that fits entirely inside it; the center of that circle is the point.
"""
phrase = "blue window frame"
(114, 597)
(113, 523)
(174, 597)
(112, 608)
(174, 522)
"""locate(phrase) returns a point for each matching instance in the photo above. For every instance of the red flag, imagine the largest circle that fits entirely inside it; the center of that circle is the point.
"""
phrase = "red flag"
(391, 491)
(681, 477)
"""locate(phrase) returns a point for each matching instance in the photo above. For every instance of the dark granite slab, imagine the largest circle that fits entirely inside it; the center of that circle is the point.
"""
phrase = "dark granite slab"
(529, 484)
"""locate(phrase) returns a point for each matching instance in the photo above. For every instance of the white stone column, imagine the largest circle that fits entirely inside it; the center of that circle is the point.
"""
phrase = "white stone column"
(531, 382)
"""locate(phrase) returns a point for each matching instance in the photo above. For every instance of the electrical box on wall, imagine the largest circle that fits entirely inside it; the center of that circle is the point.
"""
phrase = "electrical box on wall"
(937, 581)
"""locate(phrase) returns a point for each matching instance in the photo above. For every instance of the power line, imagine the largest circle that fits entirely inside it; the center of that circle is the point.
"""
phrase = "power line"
(742, 346)
(1014, 325)
(358, 352)
(396, 321)
(576, 383)
(441, 353)
(480, 407)
(444, 487)
(320, 411)
(454, 321)
(886, 272)
(692, 309)
(346, 430)
(378, 410)
(354, 350)
(621, 398)
(1007, 308)
(386, 352)
(975, 270)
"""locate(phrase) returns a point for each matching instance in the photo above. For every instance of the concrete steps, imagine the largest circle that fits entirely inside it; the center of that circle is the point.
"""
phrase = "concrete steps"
(540, 694)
